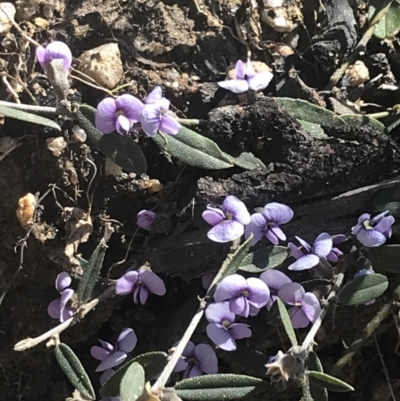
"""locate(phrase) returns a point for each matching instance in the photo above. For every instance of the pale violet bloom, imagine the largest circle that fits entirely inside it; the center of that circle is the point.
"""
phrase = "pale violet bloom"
(145, 219)
(222, 329)
(107, 374)
(373, 232)
(306, 305)
(228, 221)
(110, 355)
(335, 253)
(246, 78)
(267, 223)
(54, 51)
(155, 116)
(197, 360)
(275, 280)
(308, 256)
(243, 295)
(61, 308)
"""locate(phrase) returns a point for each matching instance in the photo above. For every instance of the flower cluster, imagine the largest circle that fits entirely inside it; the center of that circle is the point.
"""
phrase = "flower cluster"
(61, 308)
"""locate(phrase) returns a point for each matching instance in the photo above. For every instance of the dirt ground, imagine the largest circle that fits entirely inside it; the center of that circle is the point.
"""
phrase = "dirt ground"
(185, 46)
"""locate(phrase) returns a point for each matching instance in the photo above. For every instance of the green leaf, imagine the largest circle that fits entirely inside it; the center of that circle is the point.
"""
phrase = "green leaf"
(385, 258)
(194, 149)
(82, 261)
(121, 149)
(219, 387)
(305, 388)
(362, 121)
(246, 161)
(132, 383)
(317, 393)
(389, 25)
(91, 273)
(152, 362)
(329, 382)
(264, 259)
(363, 289)
(73, 369)
(314, 130)
(28, 117)
(287, 324)
(388, 200)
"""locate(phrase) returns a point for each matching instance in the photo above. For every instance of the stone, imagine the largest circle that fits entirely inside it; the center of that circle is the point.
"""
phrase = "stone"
(5, 22)
(56, 145)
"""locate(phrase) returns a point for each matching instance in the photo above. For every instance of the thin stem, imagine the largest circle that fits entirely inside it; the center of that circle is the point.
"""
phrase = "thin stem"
(189, 121)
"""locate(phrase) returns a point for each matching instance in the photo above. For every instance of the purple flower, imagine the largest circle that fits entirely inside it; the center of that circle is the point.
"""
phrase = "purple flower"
(246, 78)
(111, 356)
(335, 253)
(197, 360)
(61, 308)
(145, 219)
(365, 272)
(155, 115)
(306, 305)
(118, 114)
(267, 223)
(229, 221)
(54, 51)
(141, 282)
(222, 330)
(274, 280)
(242, 294)
(373, 232)
(103, 379)
(308, 257)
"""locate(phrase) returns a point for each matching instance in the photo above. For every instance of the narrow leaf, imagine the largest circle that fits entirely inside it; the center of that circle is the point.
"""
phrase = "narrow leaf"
(389, 25)
(317, 393)
(363, 289)
(132, 383)
(219, 387)
(73, 369)
(91, 273)
(287, 324)
(264, 259)
(305, 388)
(152, 362)
(246, 161)
(358, 120)
(28, 117)
(385, 258)
(329, 382)
(194, 149)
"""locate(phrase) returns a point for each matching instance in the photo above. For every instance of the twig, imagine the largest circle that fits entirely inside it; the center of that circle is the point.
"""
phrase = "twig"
(10, 88)
(90, 84)
(90, 198)
(81, 313)
(189, 121)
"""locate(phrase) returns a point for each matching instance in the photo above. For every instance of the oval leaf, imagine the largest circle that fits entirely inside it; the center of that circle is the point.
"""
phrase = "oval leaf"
(359, 121)
(132, 383)
(287, 324)
(329, 382)
(264, 259)
(73, 369)
(388, 200)
(194, 149)
(219, 387)
(28, 117)
(152, 362)
(317, 393)
(363, 289)
(246, 161)
(385, 258)
(389, 25)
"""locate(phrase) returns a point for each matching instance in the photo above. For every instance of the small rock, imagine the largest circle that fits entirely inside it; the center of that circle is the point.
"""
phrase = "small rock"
(282, 19)
(112, 169)
(273, 3)
(103, 64)
(56, 145)
(356, 74)
(78, 135)
(41, 22)
(26, 210)
(5, 23)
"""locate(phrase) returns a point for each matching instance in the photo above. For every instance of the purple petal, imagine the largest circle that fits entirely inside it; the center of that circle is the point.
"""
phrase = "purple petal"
(41, 56)
(226, 231)
(66, 313)
(106, 115)
(239, 306)
(127, 340)
(65, 297)
(213, 215)
(143, 294)
(304, 263)
(221, 337)
(181, 365)
(334, 255)
(114, 359)
(145, 219)
(206, 358)
(106, 345)
(258, 291)
(55, 50)
(254, 310)
(99, 353)
(239, 331)
(151, 119)
(126, 284)
(237, 208)
(360, 224)
(240, 70)
(310, 306)
(291, 293)
(378, 218)
(230, 287)
(63, 281)
(188, 352)
(260, 80)
(385, 224)
(219, 312)
(122, 125)
(371, 237)
(256, 226)
(235, 85)
(155, 95)
(295, 251)
(338, 239)
(304, 244)
(54, 308)
(274, 234)
(136, 293)
(131, 107)
(192, 371)
(274, 279)
(298, 318)
(322, 245)
(152, 282)
(106, 376)
(169, 125)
